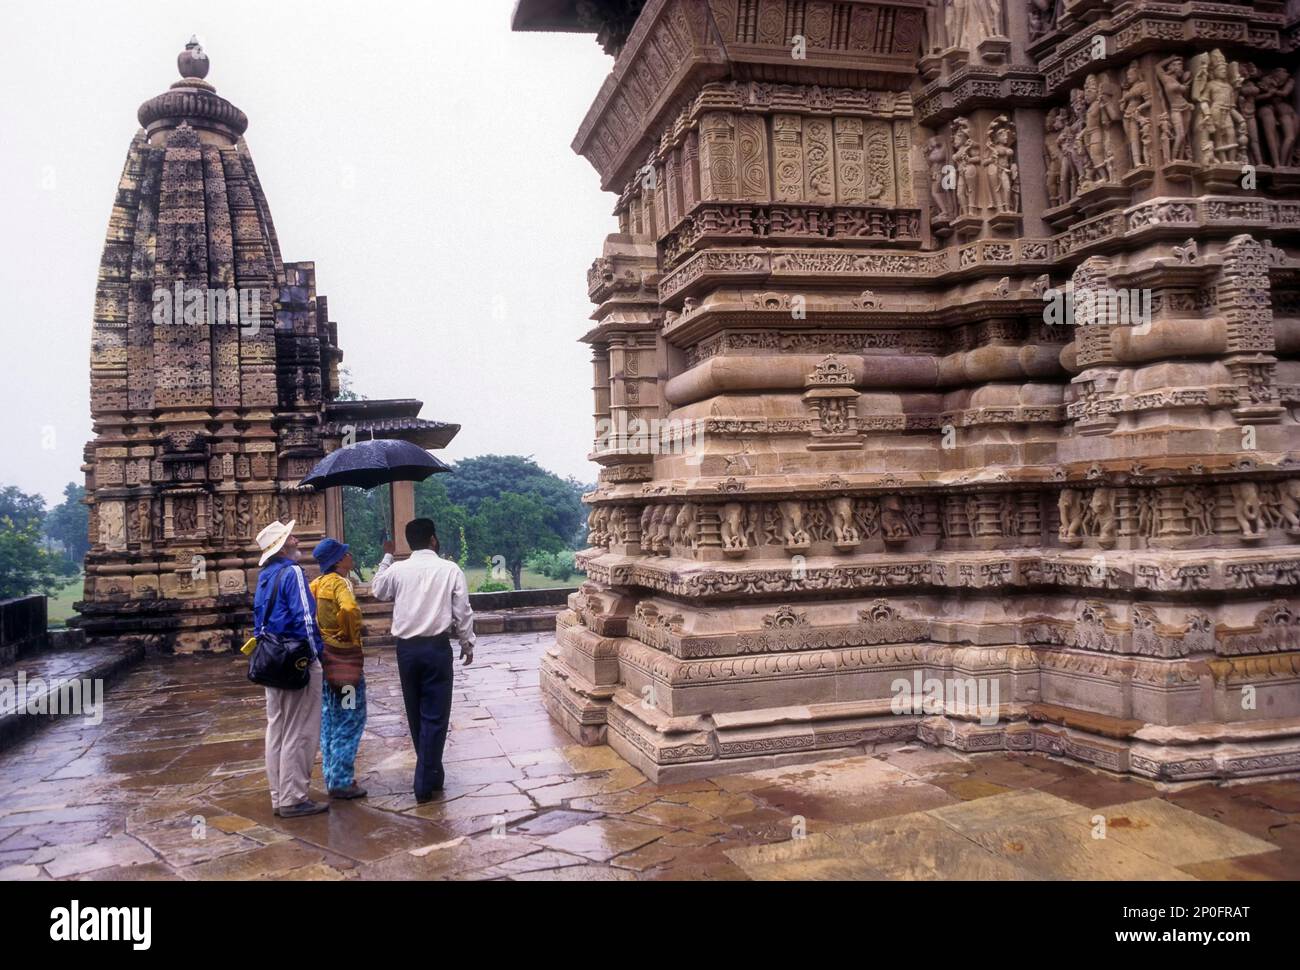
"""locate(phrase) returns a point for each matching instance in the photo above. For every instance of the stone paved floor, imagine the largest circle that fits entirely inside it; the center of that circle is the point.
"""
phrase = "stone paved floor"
(171, 785)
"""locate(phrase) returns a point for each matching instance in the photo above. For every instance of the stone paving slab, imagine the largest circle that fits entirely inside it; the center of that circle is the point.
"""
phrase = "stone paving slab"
(171, 786)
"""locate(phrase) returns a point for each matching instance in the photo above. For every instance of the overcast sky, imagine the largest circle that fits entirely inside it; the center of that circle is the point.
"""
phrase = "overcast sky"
(418, 152)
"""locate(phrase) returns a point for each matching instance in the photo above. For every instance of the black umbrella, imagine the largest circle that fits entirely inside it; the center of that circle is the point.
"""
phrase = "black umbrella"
(379, 461)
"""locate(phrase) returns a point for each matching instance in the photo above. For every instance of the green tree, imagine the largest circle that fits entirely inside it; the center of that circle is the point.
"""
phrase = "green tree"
(25, 566)
(367, 518)
(20, 508)
(433, 502)
(513, 527)
(476, 480)
(69, 523)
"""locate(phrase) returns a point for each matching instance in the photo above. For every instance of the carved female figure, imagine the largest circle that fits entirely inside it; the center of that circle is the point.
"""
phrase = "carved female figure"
(1000, 163)
(1099, 113)
(967, 159)
(1052, 157)
(1248, 90)
(940, 195)
(1202, 127)
(1176, 83)
(1281, 88)
(1135, 103)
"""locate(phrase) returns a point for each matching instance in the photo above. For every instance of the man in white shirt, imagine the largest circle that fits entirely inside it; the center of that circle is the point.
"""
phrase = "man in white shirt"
(430, 602)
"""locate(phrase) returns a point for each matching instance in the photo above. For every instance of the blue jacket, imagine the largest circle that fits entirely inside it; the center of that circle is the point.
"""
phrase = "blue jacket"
(295, 608)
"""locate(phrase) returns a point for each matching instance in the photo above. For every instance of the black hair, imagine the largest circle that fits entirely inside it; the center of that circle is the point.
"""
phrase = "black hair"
(421, 534)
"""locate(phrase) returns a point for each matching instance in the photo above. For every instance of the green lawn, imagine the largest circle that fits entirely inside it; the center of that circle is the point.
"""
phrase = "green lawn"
(60, 604)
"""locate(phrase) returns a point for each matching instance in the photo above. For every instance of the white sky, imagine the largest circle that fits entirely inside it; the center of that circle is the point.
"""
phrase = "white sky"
(417, 151)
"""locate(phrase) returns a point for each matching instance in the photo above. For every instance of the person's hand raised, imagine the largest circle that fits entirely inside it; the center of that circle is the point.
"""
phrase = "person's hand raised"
(390, 547)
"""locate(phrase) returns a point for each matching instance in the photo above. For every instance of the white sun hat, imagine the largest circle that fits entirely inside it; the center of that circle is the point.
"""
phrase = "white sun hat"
(271, 539)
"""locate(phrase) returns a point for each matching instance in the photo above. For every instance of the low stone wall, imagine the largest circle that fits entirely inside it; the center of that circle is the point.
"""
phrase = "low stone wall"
(22, 626)
(517, 599)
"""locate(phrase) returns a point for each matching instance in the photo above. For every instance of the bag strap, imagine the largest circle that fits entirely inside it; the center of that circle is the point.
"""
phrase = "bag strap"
(270, 605)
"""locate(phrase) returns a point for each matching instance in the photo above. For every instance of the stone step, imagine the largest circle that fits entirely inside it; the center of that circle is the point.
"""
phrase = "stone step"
(35, 683)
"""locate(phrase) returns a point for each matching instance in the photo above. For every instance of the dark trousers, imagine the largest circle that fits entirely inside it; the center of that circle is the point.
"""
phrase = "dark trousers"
(424, 665)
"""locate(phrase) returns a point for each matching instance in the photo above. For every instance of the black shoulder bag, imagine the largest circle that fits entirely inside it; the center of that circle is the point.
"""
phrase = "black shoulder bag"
(279, 661)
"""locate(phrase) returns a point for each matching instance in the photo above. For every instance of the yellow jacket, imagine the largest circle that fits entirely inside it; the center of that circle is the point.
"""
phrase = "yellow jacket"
(337, 611)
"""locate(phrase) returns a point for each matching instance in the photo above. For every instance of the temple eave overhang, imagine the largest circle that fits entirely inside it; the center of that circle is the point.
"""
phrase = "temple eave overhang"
(396, 418)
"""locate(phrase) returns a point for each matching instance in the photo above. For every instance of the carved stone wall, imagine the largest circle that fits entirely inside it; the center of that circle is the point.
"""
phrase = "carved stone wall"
(953, 340)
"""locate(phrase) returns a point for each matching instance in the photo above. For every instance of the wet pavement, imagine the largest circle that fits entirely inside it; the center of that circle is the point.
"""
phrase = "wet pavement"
(171, 786)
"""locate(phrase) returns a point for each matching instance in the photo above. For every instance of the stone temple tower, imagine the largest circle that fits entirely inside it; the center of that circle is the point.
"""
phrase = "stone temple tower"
(214, 369)
(942, 342)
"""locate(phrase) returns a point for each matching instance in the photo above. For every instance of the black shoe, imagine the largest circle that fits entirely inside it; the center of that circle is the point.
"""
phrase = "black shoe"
(303, 808)
(352, 791)
(425, 799)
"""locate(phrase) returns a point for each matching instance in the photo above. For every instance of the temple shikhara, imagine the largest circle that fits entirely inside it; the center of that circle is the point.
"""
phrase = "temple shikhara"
(967, 333)
(214, 385)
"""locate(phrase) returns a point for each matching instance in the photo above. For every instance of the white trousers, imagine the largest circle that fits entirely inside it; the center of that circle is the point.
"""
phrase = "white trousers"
(292, 739)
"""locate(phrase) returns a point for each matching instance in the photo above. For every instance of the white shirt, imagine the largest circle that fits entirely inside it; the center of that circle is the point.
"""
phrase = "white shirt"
(429, 596)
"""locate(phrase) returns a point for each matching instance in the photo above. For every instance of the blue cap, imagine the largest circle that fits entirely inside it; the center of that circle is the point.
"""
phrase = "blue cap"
(328, 552)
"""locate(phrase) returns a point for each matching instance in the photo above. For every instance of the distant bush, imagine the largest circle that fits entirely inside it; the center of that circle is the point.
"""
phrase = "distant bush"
(491, 585)
(558, 566)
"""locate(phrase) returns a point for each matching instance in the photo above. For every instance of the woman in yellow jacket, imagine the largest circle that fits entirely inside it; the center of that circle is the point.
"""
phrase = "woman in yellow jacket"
(343, 704)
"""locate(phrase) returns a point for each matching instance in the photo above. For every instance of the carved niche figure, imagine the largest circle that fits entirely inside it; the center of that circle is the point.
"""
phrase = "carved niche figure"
(1008, 515)
(1100, 111)
(1071, 510)
(733, 528)
(940, 195)
(185, 516)
(1056, 165)
(1220, 127)
(657, 538)
(966, 158)
(936, 34)
(844, 535)
(1000, 162)
(793, 533)
(1176, 84)
(1288, 495)
(218, 530)
(895, 525)
(1246, 507)
(596, 524)
(1135, 105)
(145, 527)
(973, 515)
(1101, 512)
(263, 510)
(1277, 116)
(1248, 92)
(112, 525)
(1042, 17)
(683, 530)
(1072, 140)
(970, 22)
(1198, 510)
(1148, 513)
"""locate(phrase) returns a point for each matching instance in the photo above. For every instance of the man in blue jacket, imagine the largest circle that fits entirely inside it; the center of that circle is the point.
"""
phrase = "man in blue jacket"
(292, 716)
